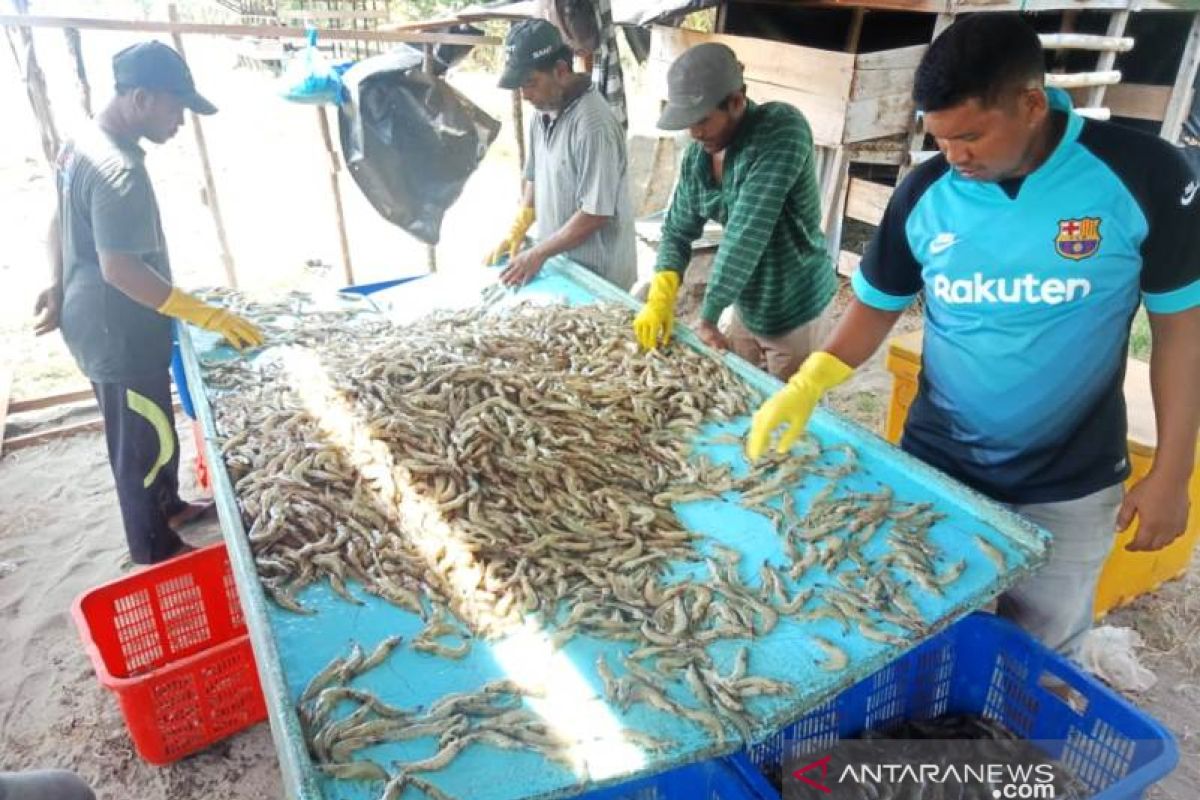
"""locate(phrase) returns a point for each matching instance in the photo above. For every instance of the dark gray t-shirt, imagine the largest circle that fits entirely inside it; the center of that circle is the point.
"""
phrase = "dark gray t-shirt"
(578, 162)
(106, 202)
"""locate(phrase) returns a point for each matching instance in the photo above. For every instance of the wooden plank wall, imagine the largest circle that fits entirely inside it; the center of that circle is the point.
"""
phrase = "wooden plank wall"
(815, 81)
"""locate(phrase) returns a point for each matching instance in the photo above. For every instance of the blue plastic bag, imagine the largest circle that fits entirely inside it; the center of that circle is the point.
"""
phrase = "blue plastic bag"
(311, 78)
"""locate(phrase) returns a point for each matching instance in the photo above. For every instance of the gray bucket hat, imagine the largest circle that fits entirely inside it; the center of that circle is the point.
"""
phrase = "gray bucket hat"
(698, 80)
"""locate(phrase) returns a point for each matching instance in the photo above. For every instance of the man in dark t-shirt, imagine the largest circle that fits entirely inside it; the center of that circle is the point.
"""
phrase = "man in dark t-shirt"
(1034, 236)
(112, 294)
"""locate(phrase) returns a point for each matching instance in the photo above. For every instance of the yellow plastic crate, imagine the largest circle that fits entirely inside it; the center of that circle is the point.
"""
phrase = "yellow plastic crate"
(1126, 575)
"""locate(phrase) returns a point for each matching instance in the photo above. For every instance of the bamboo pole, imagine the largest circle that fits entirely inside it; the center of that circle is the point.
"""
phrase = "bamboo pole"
(213, 29)
(335, 166)
(35, 82)
(430, 250)
(1076, 80)
(210, 185)
(75, 46)
(1086, 41)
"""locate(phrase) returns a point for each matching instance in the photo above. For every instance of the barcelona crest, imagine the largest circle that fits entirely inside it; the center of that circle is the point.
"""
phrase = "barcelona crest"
(1078, 238)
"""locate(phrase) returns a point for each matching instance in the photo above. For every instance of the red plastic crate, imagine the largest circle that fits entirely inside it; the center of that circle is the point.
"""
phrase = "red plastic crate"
(171, 643)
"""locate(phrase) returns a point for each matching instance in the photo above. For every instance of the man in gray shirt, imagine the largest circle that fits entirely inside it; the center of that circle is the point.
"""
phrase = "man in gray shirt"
(576, 175)
(112, 293)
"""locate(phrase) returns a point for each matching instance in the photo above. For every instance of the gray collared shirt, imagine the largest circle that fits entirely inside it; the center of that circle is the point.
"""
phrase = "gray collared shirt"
(577, 162)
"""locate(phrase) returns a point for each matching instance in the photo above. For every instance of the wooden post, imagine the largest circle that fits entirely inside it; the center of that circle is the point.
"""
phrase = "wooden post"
(335, 165)
(1181, 93)
(430, 250)
(210, 185)
(518, 114)
(75, 46)
(855, 32)
(1116, 29)
(35, 86)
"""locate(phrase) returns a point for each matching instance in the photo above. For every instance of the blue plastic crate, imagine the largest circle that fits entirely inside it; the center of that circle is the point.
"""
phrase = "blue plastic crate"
(730, 778)
(987, 666)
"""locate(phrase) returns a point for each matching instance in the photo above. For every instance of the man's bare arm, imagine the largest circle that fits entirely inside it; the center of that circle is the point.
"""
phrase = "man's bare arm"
(132, 276)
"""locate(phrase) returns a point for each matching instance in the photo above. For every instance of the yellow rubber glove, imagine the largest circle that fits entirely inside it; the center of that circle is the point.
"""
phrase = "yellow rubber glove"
(656, 320)
(516, 235)
(238, 331)
(794, 403)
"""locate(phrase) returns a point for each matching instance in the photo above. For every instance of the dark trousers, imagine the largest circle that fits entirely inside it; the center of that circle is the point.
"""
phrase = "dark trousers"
(143, 451)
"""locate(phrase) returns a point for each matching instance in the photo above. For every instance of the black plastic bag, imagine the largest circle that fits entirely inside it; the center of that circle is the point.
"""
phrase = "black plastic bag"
(410, 140)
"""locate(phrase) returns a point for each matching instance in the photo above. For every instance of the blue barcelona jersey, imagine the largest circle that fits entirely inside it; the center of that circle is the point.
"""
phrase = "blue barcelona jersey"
(1030, 287)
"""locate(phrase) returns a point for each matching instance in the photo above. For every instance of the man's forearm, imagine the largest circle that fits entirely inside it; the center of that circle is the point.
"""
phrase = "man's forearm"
(527, 195)
(134, 278)
(860, 332)
(1175, 385)
(577, 230)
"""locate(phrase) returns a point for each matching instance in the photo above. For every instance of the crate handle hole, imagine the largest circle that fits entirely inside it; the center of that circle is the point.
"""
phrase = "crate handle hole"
(1059, 689)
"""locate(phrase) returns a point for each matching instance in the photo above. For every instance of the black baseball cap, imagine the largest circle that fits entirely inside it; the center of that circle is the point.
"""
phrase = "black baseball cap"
(531, 44)
(697, 82)
(153, 65)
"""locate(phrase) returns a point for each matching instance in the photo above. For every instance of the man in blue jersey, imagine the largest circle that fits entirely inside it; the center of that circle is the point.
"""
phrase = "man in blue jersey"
(1034, 236)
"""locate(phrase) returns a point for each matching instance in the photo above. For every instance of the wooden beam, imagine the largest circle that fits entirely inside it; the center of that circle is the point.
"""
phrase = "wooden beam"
(50, 401)
(331, 14)
(1086, 41)
(5, 388)
(210, 185)
(42, 437)
(1075, 80)
(1116, 29)
(1102, 113)
(1181, 92)
(335, 166)
(265, 31)
(867, 200)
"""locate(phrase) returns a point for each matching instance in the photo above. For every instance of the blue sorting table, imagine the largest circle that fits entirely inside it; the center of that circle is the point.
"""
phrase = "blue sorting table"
(291, 648)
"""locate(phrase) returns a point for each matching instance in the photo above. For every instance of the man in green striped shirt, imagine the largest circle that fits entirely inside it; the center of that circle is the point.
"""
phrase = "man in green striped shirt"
(750, 167)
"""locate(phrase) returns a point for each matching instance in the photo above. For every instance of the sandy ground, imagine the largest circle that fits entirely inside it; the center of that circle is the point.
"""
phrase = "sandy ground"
(60, 531)
(61, 535)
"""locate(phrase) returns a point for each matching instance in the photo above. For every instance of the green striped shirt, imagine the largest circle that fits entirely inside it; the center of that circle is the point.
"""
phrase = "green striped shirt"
(772, 262)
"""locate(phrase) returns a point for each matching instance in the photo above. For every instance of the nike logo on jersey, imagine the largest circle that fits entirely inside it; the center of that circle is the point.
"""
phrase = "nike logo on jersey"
(942, 242)
(1189, 193)
(1026, 290)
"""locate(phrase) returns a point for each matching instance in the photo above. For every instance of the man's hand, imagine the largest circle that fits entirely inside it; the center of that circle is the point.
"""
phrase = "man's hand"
(1161, 507)
(711, 335)
(523, 268)
(48, 308)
